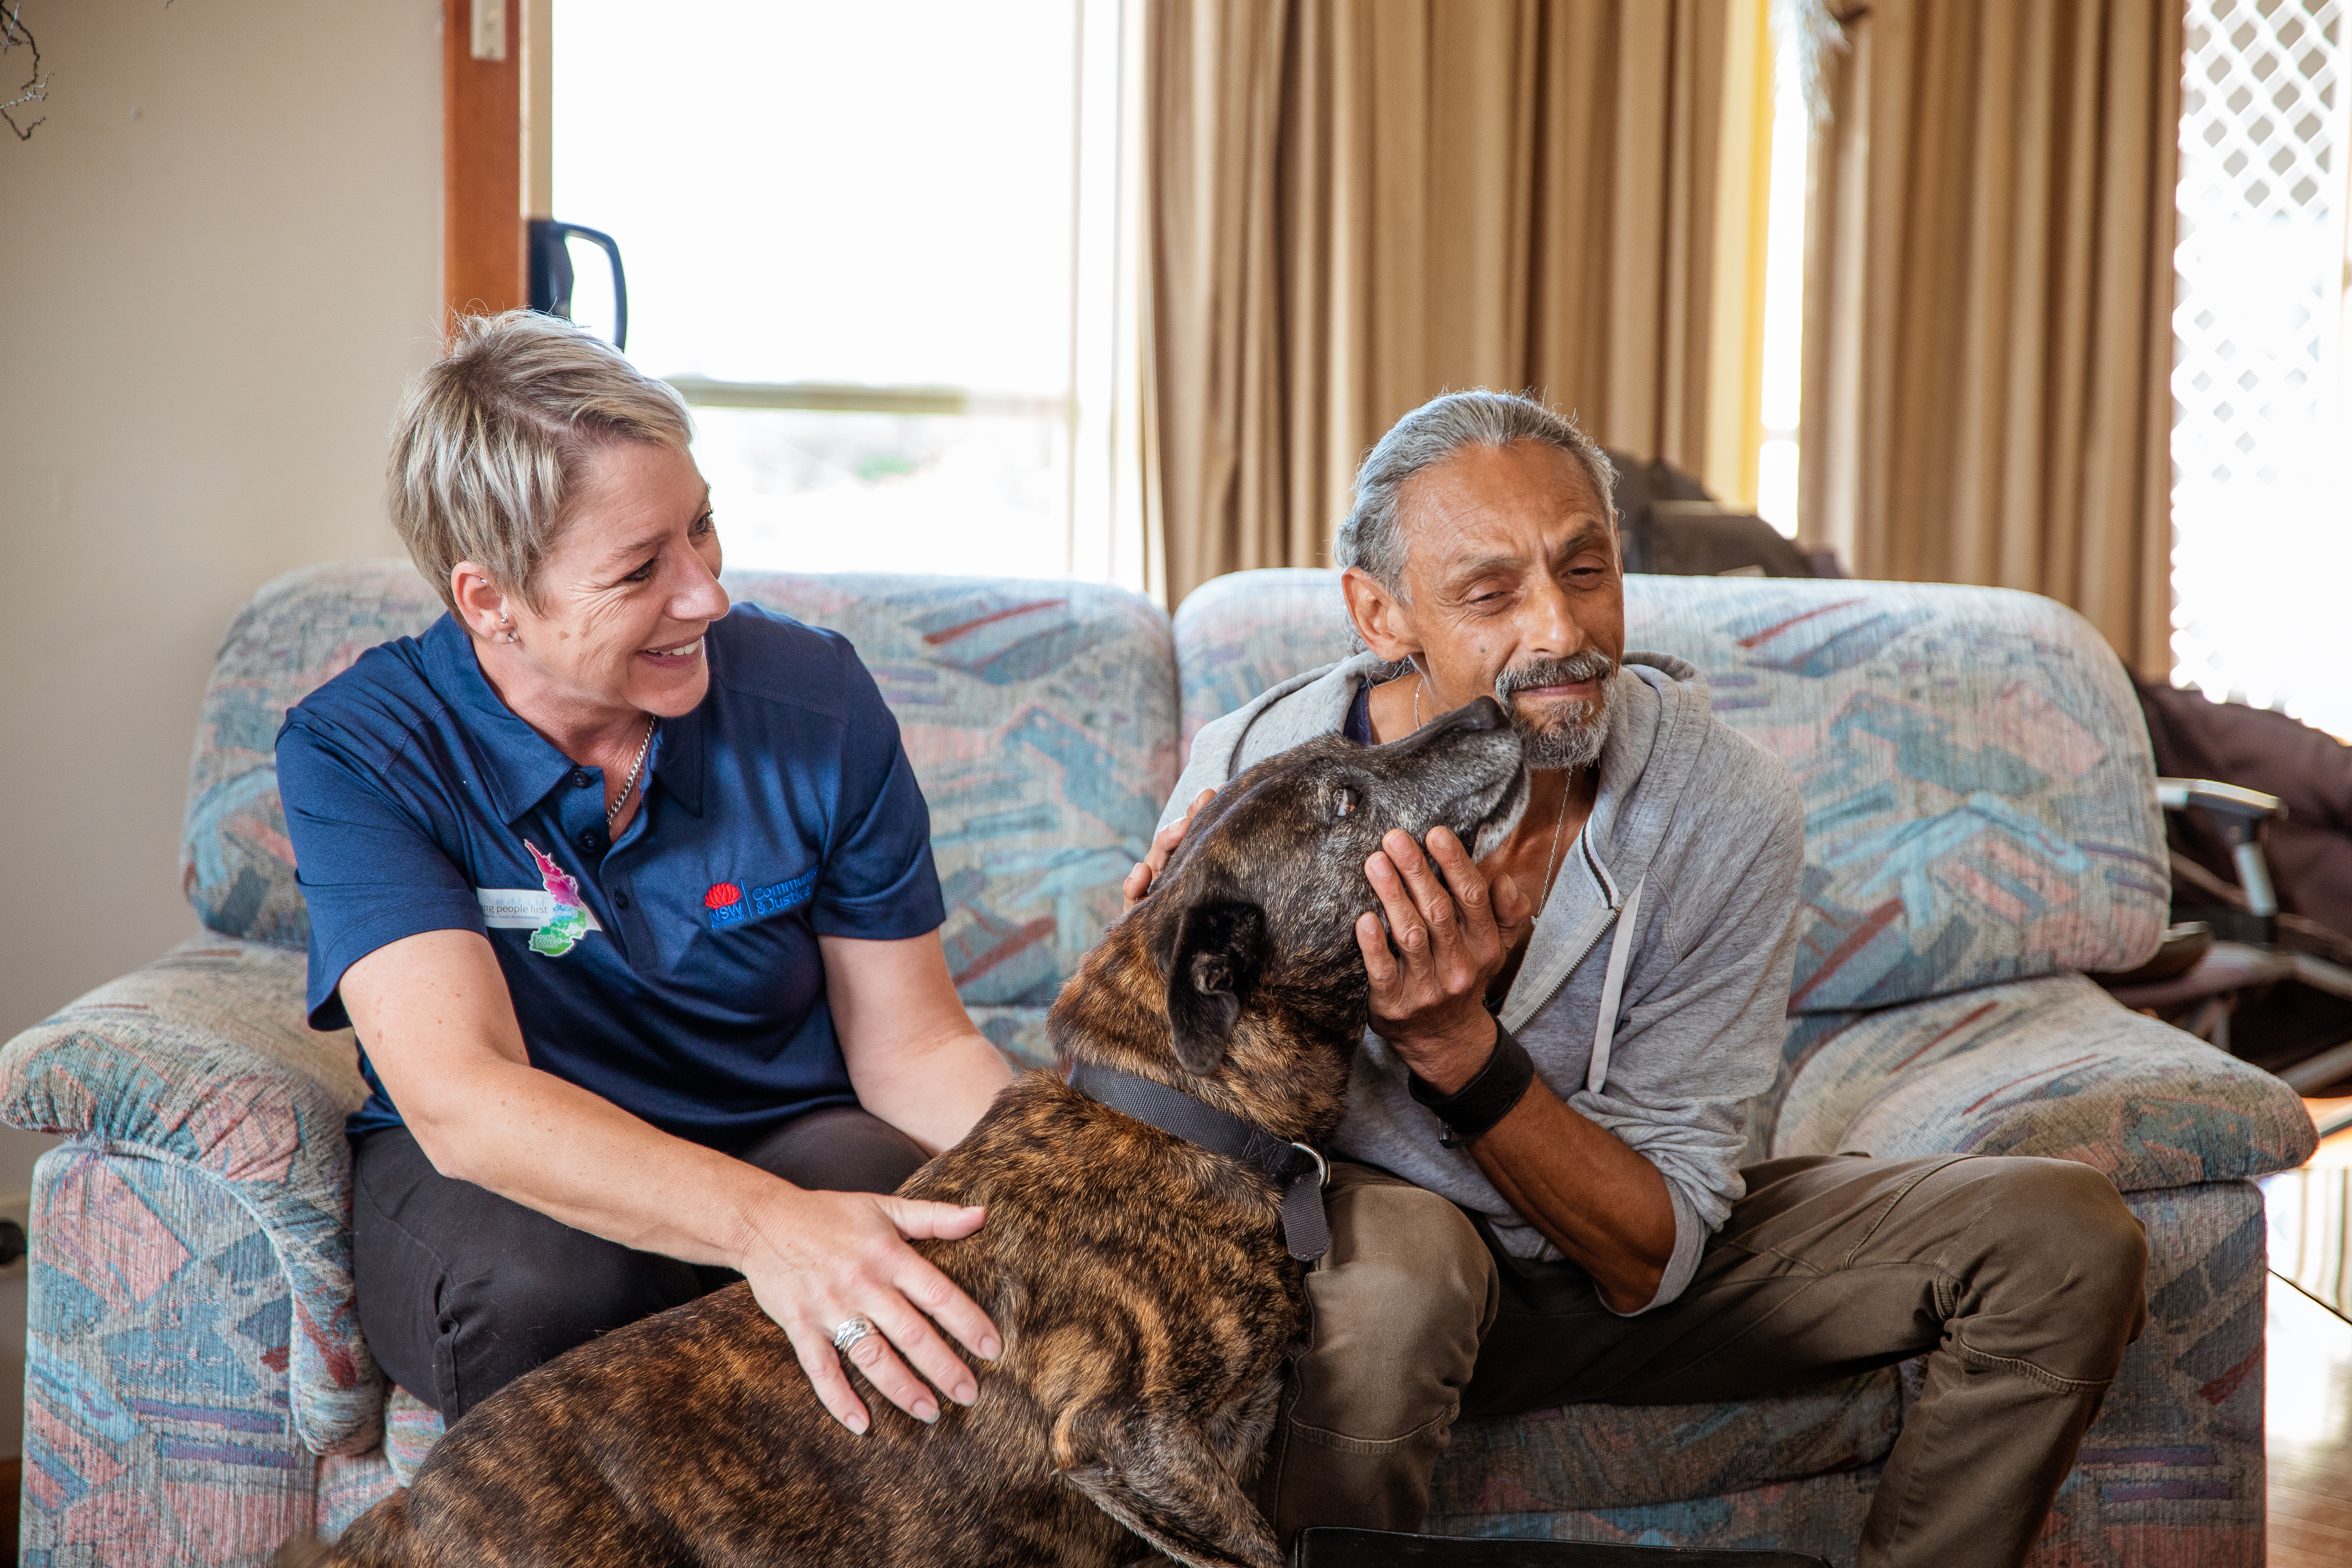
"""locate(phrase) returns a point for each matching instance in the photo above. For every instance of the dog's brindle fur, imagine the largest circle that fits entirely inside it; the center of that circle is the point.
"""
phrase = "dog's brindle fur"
(1142, 1284)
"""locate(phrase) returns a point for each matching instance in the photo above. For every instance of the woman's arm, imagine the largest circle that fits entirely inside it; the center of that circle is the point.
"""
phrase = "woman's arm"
(913, 1056)
(440, 1030)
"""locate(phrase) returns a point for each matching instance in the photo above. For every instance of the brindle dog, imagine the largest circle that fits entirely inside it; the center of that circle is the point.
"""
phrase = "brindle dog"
(1141, 1283)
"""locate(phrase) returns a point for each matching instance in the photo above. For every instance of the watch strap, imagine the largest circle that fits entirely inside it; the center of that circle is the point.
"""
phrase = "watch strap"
(1472, 1110)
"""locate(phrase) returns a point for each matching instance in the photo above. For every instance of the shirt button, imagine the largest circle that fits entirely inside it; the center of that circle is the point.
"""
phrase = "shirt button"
(582, 778)
(620, 901)
(590, 837)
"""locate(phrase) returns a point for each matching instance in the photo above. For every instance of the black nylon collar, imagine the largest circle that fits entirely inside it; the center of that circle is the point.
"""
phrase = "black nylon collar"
(1297, 1170)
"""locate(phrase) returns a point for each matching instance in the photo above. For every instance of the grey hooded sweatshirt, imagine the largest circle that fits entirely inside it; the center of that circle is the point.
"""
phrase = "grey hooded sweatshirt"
(1709, 827)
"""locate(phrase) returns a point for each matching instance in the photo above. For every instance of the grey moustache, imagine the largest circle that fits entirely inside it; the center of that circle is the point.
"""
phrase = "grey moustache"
(1589, 665)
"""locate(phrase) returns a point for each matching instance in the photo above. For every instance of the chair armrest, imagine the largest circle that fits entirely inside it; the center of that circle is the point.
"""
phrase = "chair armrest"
(2228, 800)
(2052, 1066)
(204, 1057)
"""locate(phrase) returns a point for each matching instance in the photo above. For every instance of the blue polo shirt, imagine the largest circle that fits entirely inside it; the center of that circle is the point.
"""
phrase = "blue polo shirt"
(674, 970)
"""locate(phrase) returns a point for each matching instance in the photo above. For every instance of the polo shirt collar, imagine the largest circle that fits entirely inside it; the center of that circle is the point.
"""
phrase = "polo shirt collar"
(677, 762)
(519, 764)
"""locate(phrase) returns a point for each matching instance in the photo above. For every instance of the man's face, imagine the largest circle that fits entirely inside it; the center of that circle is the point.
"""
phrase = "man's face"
(1513, 587)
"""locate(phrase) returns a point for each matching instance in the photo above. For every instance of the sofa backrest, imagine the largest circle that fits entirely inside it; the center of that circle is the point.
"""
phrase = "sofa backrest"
(1040, 718)
(1980, 798)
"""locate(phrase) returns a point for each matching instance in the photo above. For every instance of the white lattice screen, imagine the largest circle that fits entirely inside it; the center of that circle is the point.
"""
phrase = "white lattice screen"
(2261, 444)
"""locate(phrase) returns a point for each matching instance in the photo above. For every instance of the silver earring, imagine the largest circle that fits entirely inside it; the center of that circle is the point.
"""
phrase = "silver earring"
(509, 627)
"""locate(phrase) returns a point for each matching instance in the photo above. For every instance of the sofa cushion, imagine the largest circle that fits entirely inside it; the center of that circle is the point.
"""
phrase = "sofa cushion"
(1040, 718)
(1979, 801)
(2054, 1066)
(1624, 1456)
(202, 1062)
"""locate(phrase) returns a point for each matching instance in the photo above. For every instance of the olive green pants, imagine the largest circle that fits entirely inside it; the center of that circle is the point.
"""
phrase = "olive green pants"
(2021, 1280)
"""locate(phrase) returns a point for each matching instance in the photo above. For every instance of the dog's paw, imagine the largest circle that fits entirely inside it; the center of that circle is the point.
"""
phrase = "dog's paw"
(310, 1551)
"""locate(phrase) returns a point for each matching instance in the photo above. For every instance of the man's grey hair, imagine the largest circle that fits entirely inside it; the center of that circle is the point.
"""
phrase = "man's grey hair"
(1369, 538)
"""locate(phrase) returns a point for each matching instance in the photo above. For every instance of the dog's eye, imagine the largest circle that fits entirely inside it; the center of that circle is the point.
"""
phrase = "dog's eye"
(1343, 801)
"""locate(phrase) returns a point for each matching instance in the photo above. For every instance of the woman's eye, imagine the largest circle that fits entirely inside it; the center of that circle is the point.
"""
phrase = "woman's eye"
(1343, 801)
(643, 574)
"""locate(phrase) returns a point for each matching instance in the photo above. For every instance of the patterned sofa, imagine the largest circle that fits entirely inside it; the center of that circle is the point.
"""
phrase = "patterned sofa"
(1981, 825)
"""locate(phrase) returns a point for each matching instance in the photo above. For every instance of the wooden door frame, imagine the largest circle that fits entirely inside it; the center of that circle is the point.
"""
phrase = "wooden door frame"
(483, 267)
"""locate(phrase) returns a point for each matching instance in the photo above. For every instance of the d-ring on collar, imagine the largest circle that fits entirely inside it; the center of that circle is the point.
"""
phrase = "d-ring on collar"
(1297, 1170)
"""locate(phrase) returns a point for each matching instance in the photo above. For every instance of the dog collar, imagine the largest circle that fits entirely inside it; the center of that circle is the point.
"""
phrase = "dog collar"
(1297, 1170)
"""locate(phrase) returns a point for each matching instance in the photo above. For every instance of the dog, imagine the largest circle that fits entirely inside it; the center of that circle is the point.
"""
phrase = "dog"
(1141, 1282)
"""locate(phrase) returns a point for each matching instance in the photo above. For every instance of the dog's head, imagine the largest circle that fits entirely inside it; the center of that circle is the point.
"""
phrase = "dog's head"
(1249, 931)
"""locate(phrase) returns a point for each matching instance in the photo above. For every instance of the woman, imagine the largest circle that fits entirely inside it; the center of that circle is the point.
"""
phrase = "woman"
(631, 902)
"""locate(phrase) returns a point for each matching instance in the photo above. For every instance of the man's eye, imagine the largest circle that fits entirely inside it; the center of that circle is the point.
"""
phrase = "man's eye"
(704, 525)
(1343, 802)
(642, 575)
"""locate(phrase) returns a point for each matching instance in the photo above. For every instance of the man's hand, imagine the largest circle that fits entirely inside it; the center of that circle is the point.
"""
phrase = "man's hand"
(1147, 871)
(814, 1260)
(1451, 937)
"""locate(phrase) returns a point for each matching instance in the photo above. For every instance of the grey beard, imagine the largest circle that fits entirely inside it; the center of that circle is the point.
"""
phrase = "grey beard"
(1573, 739)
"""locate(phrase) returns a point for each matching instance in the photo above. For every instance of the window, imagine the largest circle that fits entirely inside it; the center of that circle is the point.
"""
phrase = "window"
(2262, 525)
(1784, 287)
(859, 239)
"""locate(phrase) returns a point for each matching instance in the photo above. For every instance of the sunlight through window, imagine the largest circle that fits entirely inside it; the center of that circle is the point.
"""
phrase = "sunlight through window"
(1784, 298)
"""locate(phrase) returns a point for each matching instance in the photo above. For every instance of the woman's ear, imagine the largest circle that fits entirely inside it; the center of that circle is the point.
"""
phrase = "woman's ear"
(481, 603)
(1379, 618)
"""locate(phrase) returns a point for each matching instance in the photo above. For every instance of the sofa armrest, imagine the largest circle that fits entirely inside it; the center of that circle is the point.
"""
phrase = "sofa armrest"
(204, 1057)
(2052, 1066)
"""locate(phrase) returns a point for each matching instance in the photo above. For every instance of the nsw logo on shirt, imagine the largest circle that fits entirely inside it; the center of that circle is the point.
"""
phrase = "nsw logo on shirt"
(732, 905)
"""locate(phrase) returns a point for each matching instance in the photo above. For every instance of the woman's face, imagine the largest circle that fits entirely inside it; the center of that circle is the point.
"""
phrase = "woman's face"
(625, 595)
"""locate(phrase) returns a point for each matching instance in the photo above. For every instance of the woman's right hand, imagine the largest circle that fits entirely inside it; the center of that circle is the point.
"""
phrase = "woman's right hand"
(816, 1260)
(1147, 871)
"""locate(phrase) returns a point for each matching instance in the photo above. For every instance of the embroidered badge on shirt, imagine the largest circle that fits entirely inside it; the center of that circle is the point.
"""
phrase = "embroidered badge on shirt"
(554, 913)
(568, 921)
(728, 905)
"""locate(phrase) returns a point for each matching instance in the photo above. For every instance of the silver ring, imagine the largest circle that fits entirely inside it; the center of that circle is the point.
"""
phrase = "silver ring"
(850, 1332)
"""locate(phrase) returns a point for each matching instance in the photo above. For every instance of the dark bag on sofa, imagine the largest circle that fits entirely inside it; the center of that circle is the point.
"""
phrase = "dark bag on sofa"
(1326, 1547)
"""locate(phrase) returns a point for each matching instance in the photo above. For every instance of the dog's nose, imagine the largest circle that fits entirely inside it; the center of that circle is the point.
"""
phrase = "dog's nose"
(1472, 717)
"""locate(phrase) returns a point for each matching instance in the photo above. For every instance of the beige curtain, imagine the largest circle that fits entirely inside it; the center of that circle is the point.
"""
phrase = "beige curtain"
(1351, 206)
(1989, 299)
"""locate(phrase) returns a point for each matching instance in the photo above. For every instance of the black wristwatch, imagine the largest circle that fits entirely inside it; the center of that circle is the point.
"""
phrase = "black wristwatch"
(1472, 1110)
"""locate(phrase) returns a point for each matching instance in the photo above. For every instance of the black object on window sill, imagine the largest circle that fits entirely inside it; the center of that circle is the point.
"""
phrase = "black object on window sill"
(1326, 1547)
(548, 241)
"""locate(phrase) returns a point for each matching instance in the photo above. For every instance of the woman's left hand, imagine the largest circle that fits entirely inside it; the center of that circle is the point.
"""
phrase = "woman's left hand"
(816, 1260)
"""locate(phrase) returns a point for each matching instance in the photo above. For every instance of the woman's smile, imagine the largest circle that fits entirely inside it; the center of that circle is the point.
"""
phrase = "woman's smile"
(682, 656)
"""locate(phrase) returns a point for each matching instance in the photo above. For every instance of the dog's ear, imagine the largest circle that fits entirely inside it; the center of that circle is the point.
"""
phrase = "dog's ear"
(1219, 950)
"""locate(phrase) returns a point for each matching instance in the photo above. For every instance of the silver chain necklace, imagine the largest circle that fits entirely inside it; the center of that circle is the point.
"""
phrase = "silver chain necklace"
(1552, 858)
(1551, 861)
(636, 766)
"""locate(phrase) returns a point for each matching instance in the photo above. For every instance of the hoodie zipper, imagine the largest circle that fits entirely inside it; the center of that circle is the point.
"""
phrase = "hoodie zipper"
(1613, 900)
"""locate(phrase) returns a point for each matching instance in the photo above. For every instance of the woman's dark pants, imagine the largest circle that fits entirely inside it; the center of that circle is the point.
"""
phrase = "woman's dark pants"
(462, 1291)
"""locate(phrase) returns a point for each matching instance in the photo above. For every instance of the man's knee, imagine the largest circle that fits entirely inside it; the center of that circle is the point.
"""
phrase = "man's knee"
(1398, 1307)
(2066, 1252)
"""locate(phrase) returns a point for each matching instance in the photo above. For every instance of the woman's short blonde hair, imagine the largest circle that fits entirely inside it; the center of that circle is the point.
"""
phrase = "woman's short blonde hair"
(491, 439)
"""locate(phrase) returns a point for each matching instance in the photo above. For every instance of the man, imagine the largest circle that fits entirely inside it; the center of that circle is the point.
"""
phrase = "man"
(1541, 1201)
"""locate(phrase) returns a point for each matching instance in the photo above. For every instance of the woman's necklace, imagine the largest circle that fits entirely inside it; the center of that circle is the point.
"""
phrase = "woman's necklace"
(636, 766)
(1551, 861)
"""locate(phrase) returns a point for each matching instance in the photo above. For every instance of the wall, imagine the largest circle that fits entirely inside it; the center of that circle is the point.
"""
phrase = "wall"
(221, 255)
